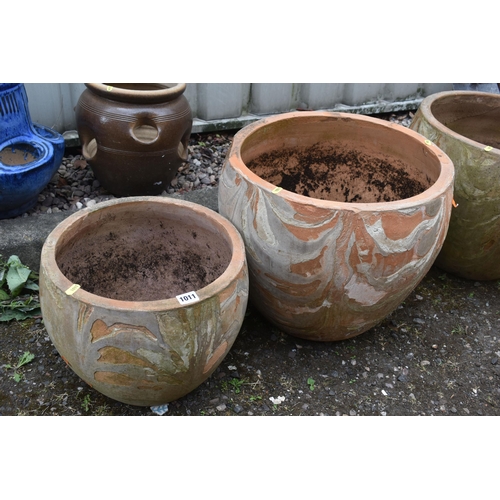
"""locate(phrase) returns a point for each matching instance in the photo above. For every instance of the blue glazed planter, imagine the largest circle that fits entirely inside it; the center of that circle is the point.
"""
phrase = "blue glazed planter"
(30, 153)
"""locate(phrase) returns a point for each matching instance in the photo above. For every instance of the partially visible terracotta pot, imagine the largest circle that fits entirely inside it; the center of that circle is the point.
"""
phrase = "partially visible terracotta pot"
(342, 215)
(162, 296)
(134, 135)
(466, 126)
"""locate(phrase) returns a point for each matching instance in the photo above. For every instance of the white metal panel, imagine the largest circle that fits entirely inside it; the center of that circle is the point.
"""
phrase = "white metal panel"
(53, 104)
(393, 92)
(219, 106)
(434, 88)
(221, 100)
(191, 94)
(354, 94)
(270, 98)
(321, 95)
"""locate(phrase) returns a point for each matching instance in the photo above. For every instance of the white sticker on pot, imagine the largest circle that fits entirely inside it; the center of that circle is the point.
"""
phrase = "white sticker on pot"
(72, 289)
(187, 298)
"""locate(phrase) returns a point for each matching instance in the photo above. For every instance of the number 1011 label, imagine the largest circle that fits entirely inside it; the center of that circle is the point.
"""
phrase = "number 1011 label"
(187, 298)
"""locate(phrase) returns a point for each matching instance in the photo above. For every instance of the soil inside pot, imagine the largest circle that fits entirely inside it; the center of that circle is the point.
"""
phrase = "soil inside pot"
(483, 129)
(338, 174)
(474, 116)
(21, 154)
(144, 259)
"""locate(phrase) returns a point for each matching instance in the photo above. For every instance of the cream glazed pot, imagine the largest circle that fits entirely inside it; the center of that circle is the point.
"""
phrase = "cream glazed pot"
(466, 126)
(143, 297)
(342, 215)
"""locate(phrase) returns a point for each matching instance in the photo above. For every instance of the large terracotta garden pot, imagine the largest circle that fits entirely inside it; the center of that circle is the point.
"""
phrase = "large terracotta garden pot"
(143, 297)
(342, 215)
(134, 135)
(466, 126)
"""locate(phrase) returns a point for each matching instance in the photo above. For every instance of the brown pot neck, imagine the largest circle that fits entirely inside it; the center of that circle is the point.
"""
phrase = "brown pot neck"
(138, 93)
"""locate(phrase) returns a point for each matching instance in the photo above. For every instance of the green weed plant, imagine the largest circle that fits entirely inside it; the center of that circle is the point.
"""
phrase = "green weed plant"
(18, 290)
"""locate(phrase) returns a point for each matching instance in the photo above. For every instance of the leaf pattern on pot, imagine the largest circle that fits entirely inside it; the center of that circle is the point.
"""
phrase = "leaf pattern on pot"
(145, 366)
(101, 331)
(325, 272)
(142, 366)
(190, 333)
(116, 356)
(84, 313)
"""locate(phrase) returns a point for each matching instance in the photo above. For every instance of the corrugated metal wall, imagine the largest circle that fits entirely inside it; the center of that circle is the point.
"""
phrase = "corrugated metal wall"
(225, 106)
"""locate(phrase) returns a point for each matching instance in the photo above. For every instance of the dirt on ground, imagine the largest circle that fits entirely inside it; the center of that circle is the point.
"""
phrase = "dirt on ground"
(437, 354)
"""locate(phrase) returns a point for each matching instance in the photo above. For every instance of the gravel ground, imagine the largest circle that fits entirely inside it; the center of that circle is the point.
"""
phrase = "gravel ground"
(74, 186)
(437, 354)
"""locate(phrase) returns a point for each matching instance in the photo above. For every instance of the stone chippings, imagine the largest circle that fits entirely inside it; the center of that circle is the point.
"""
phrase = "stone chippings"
(74, 186)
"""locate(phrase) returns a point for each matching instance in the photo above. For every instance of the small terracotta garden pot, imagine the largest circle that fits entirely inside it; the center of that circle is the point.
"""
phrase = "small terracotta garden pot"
(466, 126)
(143, 297)
(342, 215)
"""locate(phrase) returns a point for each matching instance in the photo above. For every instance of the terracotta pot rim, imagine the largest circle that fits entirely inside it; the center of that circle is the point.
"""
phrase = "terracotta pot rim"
(426, 107)
(234, 268)
(439, 187)
(117, 93)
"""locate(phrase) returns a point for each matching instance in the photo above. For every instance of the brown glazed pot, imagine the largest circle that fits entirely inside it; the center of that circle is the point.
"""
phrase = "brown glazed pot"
(124, 331)
(134, 135)
(368, 215)
(466, 126)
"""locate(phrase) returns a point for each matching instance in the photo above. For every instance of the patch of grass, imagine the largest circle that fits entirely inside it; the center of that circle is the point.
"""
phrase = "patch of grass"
(24, 359)
(459, 330)
(235, 384)
(86, 403)
(102, 410)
